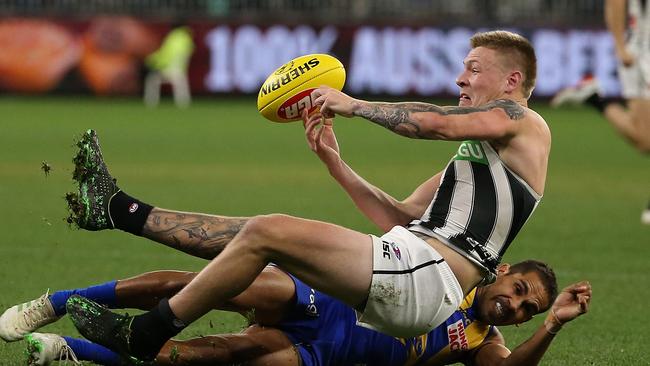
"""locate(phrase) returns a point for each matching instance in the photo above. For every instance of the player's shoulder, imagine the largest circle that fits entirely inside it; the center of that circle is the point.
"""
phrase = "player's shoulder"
(538, 121)
(512, 109)
(523, 116)
(522, 121)
(533, 114)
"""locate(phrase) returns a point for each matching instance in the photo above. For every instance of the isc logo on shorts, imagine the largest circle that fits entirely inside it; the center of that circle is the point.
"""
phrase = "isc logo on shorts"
(386, 247)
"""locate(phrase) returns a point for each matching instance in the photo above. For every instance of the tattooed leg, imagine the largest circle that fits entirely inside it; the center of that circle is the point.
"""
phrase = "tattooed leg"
(200, 235)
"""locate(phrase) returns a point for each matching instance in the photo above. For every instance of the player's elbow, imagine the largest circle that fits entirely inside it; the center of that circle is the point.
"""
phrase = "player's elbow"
(388, 219)
(403, 214)
(389, 224)
(427, 126)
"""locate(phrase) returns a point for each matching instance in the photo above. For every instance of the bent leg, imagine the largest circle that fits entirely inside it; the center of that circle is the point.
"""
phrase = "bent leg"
(267, 299)
(632, 123)
(330, 258)
(256, 346)
(146, 290)
(640, 109)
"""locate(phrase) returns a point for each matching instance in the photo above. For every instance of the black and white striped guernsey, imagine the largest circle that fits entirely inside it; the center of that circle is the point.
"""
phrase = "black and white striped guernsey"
(480, 205)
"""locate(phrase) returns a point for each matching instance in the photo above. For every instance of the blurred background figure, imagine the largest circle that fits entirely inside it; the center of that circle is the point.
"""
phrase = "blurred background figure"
(629, 23)
(169, 65)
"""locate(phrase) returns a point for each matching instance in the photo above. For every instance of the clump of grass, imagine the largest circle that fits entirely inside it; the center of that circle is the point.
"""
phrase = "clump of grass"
(75, 208)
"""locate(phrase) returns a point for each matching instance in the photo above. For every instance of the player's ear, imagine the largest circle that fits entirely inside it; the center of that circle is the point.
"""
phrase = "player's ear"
(514, 80)
(503, 269)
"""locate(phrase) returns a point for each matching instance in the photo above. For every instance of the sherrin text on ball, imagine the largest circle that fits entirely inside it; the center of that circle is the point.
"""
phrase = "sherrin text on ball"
(287, 91)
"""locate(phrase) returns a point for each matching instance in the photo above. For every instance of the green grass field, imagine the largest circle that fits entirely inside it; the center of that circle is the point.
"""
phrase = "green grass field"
(220, 156)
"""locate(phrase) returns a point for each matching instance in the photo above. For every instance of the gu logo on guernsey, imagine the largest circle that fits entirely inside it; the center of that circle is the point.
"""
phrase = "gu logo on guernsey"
(471, 150)
(457, 337)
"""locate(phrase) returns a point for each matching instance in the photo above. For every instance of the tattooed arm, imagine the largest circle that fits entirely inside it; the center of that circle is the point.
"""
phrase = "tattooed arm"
(494, 120)
(200, 235)
(428, 121)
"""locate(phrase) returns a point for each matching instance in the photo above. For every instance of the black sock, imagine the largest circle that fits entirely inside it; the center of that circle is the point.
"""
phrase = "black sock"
(597, 102)
(128, 213)
(151, 330)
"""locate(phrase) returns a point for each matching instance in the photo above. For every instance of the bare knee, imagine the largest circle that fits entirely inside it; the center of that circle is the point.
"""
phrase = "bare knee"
(265, 229)
(145, 290)
(174, 281)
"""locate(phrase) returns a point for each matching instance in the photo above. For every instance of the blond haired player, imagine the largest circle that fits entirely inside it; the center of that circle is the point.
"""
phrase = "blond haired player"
(444, 239)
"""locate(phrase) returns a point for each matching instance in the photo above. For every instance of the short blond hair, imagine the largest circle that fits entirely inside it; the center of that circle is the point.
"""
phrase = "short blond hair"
(517, 48)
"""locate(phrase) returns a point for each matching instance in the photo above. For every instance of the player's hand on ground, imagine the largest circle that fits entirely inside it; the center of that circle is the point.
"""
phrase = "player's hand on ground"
(572, 302)
(321, 138)
(333, 102)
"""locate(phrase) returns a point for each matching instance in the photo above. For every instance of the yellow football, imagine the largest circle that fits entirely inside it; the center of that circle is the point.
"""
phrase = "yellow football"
(287, 91)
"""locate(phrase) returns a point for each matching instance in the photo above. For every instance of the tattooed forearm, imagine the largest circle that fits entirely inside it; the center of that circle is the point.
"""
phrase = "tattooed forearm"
(200, 235)
(398, 117)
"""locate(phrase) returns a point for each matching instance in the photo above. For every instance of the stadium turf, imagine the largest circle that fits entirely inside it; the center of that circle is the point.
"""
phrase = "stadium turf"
(220, 156)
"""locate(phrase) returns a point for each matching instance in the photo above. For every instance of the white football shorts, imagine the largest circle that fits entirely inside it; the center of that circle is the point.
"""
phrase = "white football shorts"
(635, 79)
(413, 290)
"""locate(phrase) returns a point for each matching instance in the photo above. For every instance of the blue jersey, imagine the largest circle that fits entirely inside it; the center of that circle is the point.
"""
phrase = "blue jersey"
(325, 333)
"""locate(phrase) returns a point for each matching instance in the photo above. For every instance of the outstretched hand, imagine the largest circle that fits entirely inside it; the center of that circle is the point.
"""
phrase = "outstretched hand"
(321, 139)
(332, 102)
(572, 302)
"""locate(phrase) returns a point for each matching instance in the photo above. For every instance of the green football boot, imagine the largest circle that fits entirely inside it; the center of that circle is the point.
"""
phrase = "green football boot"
(89, 208)
(100, 325)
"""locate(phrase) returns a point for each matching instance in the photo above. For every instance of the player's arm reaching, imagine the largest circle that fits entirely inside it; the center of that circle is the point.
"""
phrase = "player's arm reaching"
(615, 20)
(380, 207)
(493, 121)
(572, 302)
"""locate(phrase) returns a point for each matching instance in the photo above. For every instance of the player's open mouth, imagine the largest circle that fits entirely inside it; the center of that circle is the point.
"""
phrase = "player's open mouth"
(498, 306)
(464, 96)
